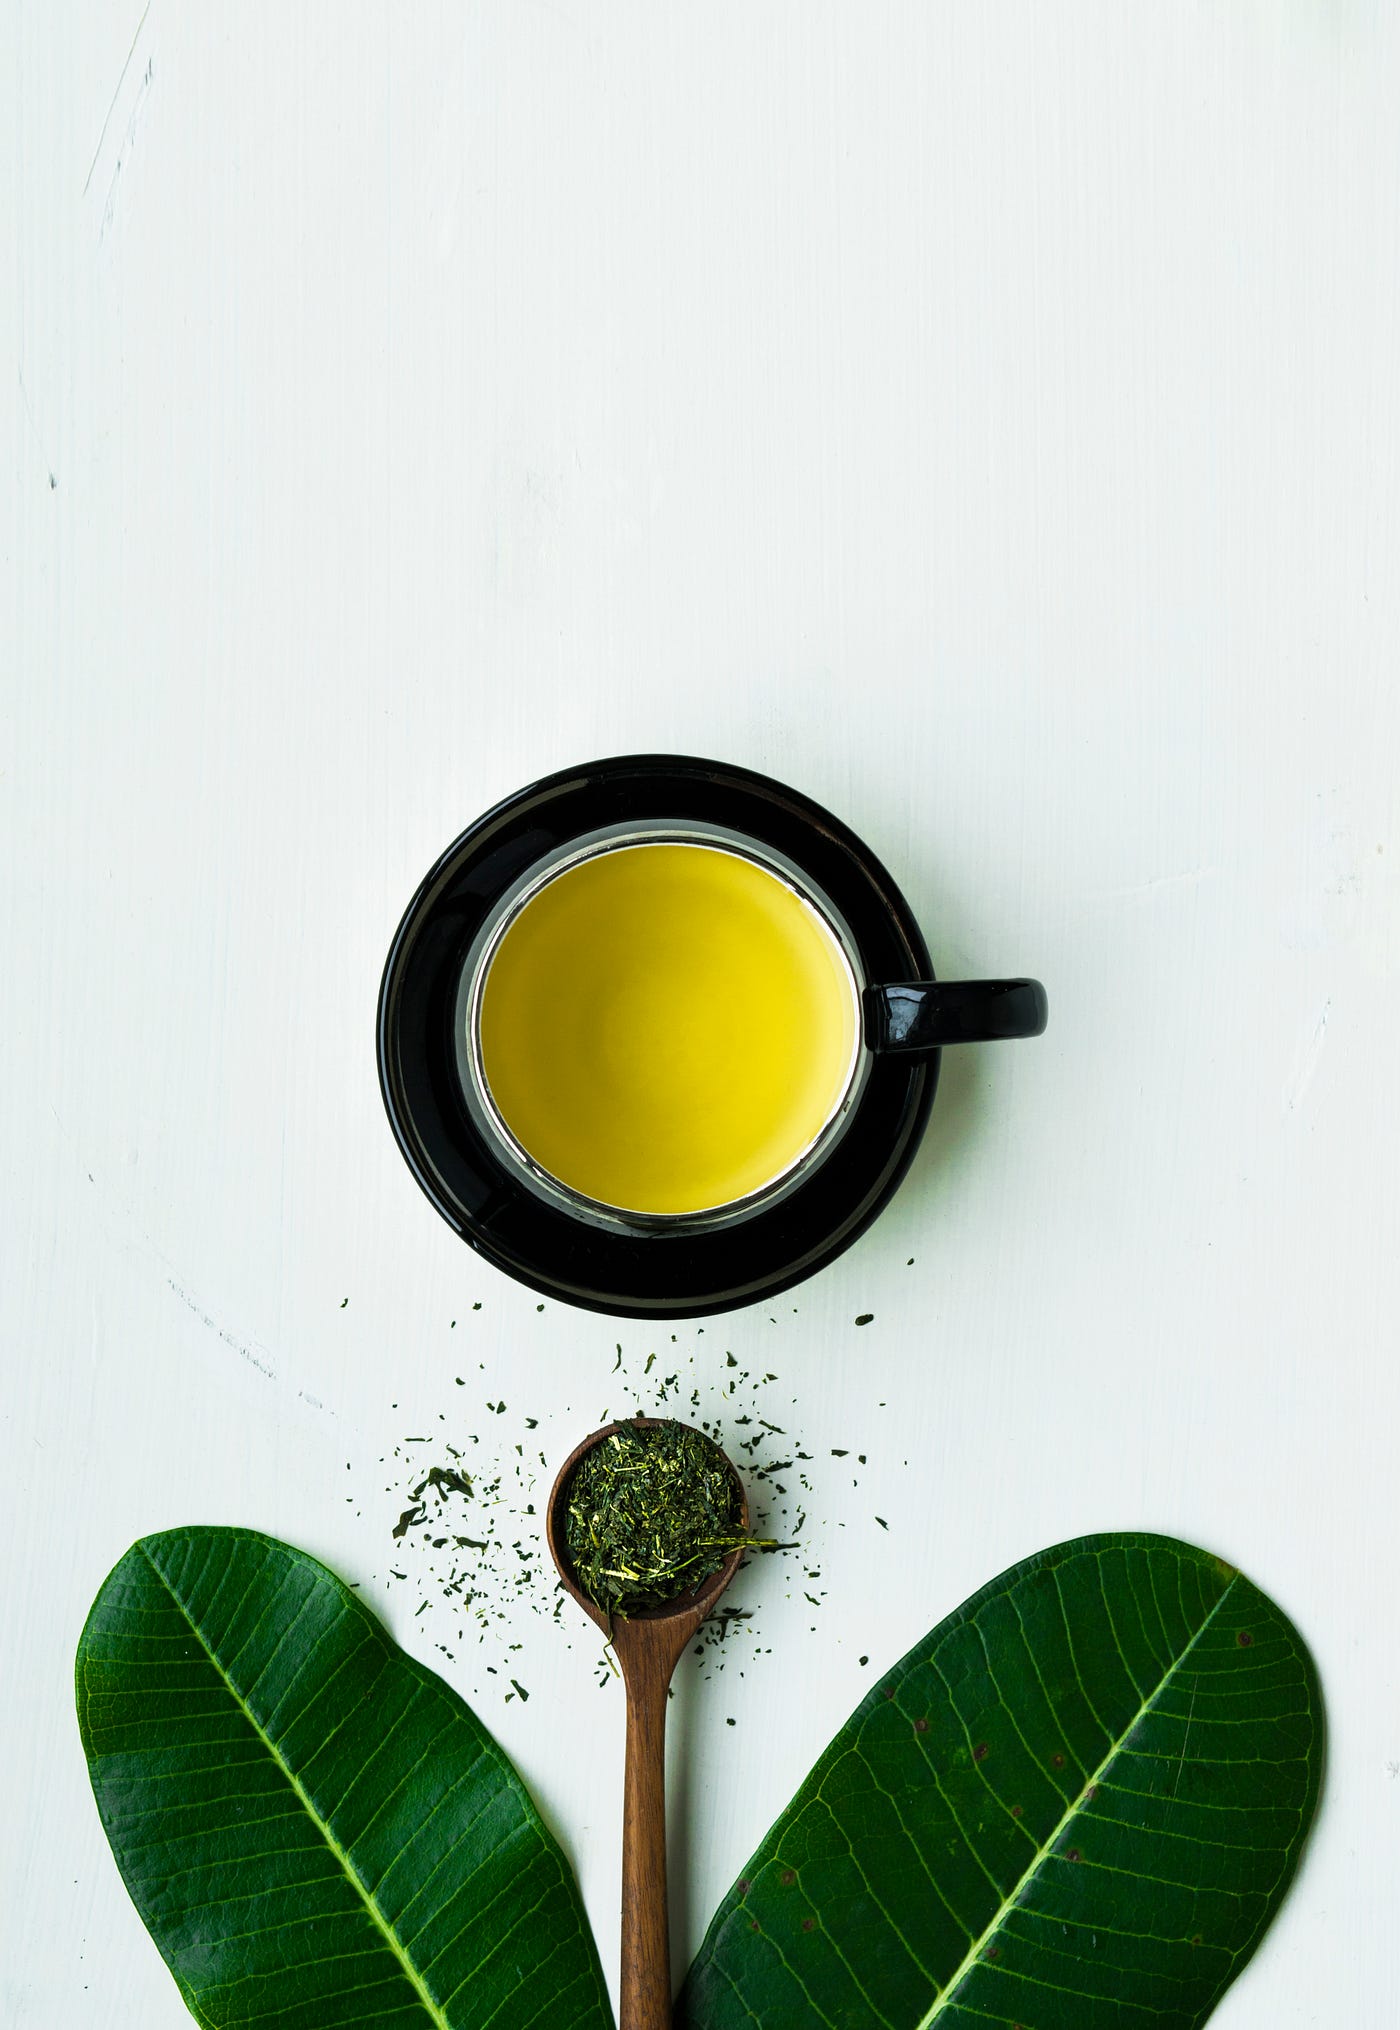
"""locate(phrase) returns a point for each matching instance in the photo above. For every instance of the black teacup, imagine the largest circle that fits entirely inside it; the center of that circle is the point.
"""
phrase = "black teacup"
(659, 1036)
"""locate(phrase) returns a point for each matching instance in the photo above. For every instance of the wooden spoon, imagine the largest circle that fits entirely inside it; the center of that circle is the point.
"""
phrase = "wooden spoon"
(648, 1646)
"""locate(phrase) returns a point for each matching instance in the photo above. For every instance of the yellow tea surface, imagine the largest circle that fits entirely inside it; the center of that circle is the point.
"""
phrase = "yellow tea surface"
(666, 1027)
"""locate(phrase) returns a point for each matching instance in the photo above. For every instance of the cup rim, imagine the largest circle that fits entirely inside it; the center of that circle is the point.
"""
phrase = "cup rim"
(525, 891)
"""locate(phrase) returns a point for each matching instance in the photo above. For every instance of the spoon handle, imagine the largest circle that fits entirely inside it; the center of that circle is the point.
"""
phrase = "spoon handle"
(646, 1944)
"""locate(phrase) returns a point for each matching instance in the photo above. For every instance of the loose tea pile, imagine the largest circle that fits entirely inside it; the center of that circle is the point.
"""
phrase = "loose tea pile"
(461, 1505)
(650, 1512)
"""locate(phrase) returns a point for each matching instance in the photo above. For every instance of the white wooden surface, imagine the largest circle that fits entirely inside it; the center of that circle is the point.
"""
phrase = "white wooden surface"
(984, 418)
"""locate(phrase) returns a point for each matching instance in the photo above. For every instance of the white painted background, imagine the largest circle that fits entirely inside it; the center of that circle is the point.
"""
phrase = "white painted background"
(983, 417)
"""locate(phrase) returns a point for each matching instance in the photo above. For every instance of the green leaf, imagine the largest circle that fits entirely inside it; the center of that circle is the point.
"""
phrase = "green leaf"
(1074, 1806)
(317, 1832)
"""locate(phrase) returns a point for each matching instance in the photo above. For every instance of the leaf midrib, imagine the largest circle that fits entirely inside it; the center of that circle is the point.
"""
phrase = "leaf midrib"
(352, 1875)
(947, 1994)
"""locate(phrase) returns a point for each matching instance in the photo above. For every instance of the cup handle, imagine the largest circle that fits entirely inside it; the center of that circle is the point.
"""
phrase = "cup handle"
(919, 1016)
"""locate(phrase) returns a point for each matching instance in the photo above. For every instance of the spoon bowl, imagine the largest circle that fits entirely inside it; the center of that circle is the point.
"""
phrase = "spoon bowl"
(648, 1646)
(693, 1604)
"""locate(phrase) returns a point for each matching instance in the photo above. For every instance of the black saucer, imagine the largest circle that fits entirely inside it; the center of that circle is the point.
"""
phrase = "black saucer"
(479, 1194)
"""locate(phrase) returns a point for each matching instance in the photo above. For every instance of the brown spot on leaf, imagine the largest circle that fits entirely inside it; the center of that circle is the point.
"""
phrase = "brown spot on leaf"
(979, 1753)
(1245, 1639)
(787, 1878)
(806, 1924)
(921, 1726)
